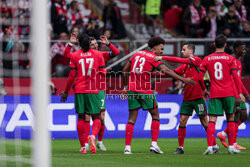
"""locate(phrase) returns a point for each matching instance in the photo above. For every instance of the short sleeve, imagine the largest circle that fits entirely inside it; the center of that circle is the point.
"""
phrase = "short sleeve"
(181, 69)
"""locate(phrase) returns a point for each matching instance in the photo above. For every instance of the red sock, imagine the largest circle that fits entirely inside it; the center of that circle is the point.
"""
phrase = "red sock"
(87, 130)
(181, 135)
(236, 130)
(155, 129)
(129, 134)
(81, 131)
(225, 131)
(214, 143)
(101, 132)
(96, 127)
(210, 133)
(231, 133)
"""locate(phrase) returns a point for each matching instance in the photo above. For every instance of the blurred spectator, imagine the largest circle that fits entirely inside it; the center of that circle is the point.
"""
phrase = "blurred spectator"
(58, 17)
(23, 27)
(212, 24)
(23, 56)
(92, 28)
(192, 18)
(80, 25)
(6, 17)
(172, 17)
(58, 62)
(240, 11)
(2, 88)
(73, 14)
(177, 87)
(220, 7)
(112, 19)
(231, 25)
(24, 8)
(245, 33)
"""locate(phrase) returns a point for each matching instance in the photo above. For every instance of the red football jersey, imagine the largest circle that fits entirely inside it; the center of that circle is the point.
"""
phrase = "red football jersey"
(219, 67)
(191, 70)
(87, 65)
(142, 64)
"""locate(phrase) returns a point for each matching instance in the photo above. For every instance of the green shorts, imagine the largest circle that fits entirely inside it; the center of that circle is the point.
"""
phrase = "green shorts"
(140, 100)
(217, 105)
(87, 103)
(241, 107)
(199, 105)
(102, 97)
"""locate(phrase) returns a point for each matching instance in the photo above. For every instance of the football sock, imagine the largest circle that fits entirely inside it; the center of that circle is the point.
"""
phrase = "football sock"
(231, 133)
(81, 132)
(101, 132)
(181, 135)
(155, 128)
(236, 130)
(87, 130)
(96, 127)
(224, 132)
(210, 133)
(129, 133)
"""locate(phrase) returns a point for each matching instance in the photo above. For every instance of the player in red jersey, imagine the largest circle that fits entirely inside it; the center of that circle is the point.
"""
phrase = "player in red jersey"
(220, 66)
(241, 111)
(193, 95)
(107, 55)
(85, 64)
(139, 92)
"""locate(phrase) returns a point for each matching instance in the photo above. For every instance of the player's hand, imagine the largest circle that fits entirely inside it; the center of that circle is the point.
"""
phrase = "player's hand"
(189, 81)
(237, 101)
(64, 96)
(104, 39)
(124, 94)
(205, 94)
(247, 96)
(73, 38)
(242, 98)
(158, 58)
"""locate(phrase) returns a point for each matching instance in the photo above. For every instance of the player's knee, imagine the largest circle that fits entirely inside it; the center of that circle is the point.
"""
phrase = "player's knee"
(183, 122)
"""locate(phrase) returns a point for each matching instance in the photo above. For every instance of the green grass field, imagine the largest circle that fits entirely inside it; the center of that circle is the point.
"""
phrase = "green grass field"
(65, 153)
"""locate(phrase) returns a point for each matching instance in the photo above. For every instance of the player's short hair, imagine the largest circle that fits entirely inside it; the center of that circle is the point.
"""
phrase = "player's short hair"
(84, 42)
(220, 41)
(154, 41)
(91, 38)
(190, 46)
(238, 44)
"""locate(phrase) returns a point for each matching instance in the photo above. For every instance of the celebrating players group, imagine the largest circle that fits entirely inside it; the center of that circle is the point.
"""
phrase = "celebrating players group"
(227, 93)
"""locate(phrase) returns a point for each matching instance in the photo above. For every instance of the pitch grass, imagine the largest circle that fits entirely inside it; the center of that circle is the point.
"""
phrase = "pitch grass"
(65, 153)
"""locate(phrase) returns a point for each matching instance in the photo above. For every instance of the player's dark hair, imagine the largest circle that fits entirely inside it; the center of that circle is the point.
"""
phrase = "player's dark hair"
(154, 41)
(190, 46)
(238, 44)
(220, 41)
(91, 38)
(84, 42)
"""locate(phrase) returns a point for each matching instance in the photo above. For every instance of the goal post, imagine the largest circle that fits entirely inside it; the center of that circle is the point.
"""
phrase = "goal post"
(40, 78)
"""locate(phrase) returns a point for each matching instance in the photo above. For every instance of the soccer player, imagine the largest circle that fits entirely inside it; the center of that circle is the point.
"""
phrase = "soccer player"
(193, 95)
(220, 66)
(107, 55)
(139, 92)
(241, 111)
(85, 64)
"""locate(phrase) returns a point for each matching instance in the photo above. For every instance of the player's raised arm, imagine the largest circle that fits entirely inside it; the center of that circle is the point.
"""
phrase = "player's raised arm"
(73, 40)
(172, 74)
(114, 50)
(173, 59)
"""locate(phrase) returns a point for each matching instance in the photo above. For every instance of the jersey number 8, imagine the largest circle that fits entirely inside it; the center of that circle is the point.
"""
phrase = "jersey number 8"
(218, 71)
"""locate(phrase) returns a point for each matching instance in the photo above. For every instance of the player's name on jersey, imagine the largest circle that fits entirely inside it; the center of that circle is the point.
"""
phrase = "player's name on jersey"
(218, 58)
